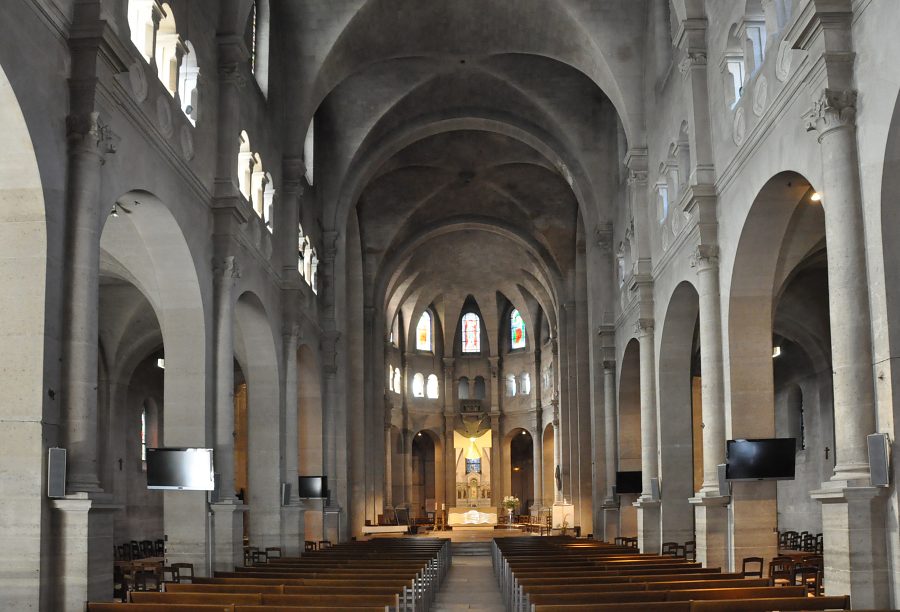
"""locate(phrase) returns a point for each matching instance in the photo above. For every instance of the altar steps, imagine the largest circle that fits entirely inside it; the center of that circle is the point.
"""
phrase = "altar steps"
(471, 549)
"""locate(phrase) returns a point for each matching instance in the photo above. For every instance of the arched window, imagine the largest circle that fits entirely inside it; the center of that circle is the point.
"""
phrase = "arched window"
(390, 377)
(418, 385)
(309, 151)
(516, 329)
(144, 433)
(463, 388)
(525, 383)
(303, 253)
(246, 161)
(188, 76)
(479, 387)
(257, 40)
(268, 198)
(314, 271)
(397, 381)
(510, 385)
(167, 43)
(471, 333)
(431, 387)
(423, 332)
(140, 22)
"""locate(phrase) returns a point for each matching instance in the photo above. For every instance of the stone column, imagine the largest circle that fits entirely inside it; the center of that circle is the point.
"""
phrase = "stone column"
(388, 462)
(407, 434)
(89, 142)
(292, 519)
(711, 508)
(557, 451)
(449, 428)
(496, 459)
(648, 508)
(611, 444)
(537, 441)
(156, 17)
(853, 519)
(228, 511)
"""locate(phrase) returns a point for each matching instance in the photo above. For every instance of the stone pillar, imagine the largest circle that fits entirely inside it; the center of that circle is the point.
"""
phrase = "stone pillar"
(292, 519)
(388, 462)
(449, 427)
(537, 440)
(496, 460)
(557, 452)
(89, 142)
(228, 511)
(611, 445)
(648, 508)
(407, 434)
(710, 508)
(179, 58)
(852, 516)
(156, 17)
(287, 213)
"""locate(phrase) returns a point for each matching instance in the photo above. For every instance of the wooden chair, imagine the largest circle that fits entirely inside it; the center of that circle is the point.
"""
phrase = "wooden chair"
(169, 574)
(259, 556)
(748, 564)
(670, 548)
(309, 546)
(159, 548)
(120, 584)
(324, 544)
(781, 571)
(248, 554)
(819, 547)
(185, 571)
(690, 550)
(135, 549)
(146, 580)
(273, 552)
(808, 576)
(547, 525)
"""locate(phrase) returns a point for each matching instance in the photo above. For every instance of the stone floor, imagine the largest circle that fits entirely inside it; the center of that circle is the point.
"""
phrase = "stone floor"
(470, 585)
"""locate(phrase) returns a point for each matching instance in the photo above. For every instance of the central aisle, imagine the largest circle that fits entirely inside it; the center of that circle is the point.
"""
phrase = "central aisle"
(470, 585)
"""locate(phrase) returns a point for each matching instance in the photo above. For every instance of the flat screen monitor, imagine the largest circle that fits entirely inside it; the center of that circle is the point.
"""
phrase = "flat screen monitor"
(628, 482)
(313, 487)
(763, 459)
(180, 469)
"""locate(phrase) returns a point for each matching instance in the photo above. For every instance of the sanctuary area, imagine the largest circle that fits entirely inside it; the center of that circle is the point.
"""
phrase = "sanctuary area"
(396, 294)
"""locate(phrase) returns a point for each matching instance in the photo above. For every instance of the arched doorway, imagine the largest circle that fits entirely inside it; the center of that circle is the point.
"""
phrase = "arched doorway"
(425, 488)
(521, 468)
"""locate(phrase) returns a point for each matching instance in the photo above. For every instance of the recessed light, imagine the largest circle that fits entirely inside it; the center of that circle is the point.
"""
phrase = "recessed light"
(815, 197)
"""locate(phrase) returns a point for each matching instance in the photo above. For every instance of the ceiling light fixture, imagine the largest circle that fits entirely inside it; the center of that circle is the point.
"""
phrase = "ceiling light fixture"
(161, 363)
(815, 196)
(776, 352)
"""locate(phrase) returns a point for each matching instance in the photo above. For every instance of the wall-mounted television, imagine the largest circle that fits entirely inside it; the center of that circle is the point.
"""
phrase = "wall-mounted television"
(761, 459)
(180, 469)
(312, 487)
(628, 482)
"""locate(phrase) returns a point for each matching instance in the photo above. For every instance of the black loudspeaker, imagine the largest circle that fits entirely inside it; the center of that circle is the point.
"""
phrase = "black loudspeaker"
(56, 472)
(285, 493)
(724, 487)
(879, 459)
(654, 489)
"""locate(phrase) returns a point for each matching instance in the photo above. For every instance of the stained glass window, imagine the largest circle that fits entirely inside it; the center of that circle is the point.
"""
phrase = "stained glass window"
(431, 387)
(471, 333)
(516, 329)
(418, 385)
(423, 332)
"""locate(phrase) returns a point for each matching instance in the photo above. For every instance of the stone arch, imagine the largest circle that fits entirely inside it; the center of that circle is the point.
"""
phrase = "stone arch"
(629, 389)
(675, 412)
(769, 238)
(428, 480)
(23, 268)
(255, 351)
(518, 473)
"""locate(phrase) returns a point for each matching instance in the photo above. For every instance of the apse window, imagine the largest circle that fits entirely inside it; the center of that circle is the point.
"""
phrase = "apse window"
(511, 385)
(525, 383)
(516, 330)
(397, 381)
(418, 385)
(471, 333)
(431, 387)
(423, 332)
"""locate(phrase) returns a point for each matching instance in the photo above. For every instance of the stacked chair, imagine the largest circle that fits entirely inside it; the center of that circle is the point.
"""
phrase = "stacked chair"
(400, 574)
(561, 574)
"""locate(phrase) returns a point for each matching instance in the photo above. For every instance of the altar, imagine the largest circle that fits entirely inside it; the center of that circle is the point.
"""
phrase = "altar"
(472, 517)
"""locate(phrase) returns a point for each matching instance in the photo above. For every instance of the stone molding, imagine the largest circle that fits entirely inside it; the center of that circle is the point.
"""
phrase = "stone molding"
(226, 268)
(693, 59)
(643, 327)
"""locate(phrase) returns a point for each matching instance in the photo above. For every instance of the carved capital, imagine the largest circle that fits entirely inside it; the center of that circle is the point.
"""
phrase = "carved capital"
(833, 109)
(232, 73)
(226, 268)
(609, 365)
(643, 327)
(329, 243)
(705, 256)
(329, 345)
(87, 132)
(693, 59)
(291, 331)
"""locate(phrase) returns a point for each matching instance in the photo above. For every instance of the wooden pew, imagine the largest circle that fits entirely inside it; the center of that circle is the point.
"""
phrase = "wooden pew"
(326, 600)
(658, 596)
(764, 605)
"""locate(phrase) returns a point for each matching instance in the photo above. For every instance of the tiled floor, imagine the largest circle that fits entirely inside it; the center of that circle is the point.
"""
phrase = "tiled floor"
(470, 585)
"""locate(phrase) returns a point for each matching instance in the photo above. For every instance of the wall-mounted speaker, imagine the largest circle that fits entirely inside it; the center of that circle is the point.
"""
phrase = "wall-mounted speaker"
(724, 485)
(285, 493)
(879, 459)
(56, 472)
(654, 489)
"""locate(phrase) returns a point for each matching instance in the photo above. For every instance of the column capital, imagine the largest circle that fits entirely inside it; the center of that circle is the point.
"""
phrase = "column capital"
(643, 327)
(603, 237)
(329, 342)
(226, 268)
(692, 60)
(87, 132)
(293, 172)
(705, 257)
(831, 109)
(232, 73)
(636, 161)
(291, 332)
(609, 365)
